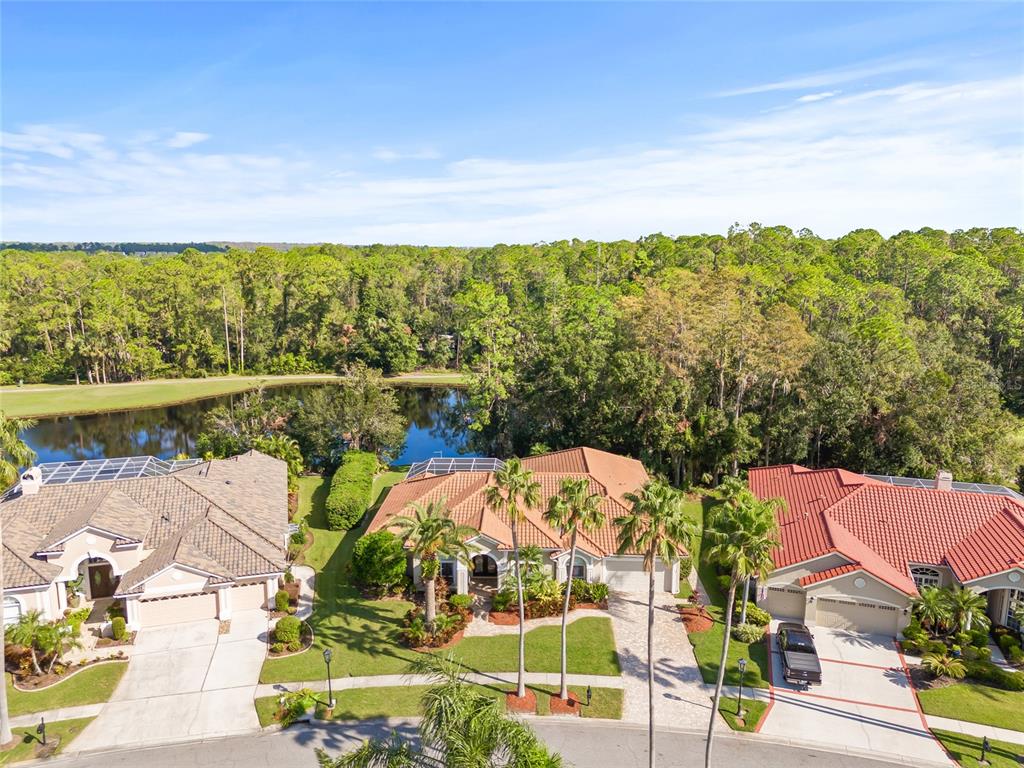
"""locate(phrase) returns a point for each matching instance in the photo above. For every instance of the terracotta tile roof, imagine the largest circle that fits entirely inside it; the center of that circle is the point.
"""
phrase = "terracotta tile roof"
(228, 517)
(884, 528)
(609, 476)
(831, 573)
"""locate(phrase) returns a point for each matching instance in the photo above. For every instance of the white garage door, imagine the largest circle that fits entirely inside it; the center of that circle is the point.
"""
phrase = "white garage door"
(628, 575)
(247, 596)
(786, 603)
(857, 616)
(175, 610)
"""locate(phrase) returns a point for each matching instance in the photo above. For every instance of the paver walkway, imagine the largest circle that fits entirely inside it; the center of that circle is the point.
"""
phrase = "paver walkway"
(480, 627)
(680, 699)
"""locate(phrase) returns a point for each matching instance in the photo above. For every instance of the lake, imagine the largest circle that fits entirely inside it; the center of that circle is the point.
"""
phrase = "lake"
(166, 431)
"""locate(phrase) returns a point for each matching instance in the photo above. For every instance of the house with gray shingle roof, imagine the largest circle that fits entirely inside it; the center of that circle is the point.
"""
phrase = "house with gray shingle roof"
(173, 541)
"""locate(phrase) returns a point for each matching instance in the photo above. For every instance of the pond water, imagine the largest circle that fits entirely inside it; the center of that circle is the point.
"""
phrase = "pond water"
(433, 428)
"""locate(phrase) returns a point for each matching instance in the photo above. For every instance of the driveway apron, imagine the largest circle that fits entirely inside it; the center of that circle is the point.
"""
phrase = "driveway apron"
(185, 681)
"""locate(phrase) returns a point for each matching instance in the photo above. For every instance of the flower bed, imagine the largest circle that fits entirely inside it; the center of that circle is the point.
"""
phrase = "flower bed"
(31, 683)
(286, 642)
(696, 618)
(453, 615)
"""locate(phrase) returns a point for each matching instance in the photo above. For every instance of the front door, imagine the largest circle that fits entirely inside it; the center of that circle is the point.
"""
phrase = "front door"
(484, 567)
(101, 580)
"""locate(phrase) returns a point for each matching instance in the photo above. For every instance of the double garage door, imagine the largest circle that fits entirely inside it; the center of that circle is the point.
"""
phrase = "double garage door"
(856, 616)
(627, 574)
(174, 610)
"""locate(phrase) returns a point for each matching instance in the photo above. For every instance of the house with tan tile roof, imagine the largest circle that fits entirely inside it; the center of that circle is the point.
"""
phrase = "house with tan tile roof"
(462, 484)
(856, 549)
(172, 541)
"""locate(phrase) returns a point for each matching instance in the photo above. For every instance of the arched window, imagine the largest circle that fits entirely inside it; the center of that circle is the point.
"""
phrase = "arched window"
(925, 577)
(579, 569)
(12, 611)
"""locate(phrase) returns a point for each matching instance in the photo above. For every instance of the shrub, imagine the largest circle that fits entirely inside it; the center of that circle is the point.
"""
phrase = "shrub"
(75, 619)
(915, 632)
(962, 638)
(598, 592)
(289, 577)
(979, 638)
(990, 674)
(724, 582)
(461, 602)
(934, 646)
(277, 647)
(350, 490)
(755, 615)
(378, 561)
(503, 600)
(281, 601)
(685, 566)
(1016, 655)
(580, 590)
(944, 665)
(748, 633)
(294, 646)
(984, 654)
(119, 628)
(287, 630)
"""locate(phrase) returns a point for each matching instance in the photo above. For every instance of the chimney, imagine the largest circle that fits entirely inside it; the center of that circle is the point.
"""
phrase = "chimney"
(943, 480)
(31, 481)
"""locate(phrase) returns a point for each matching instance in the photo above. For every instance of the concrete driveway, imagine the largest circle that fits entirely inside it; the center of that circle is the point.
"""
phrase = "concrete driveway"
(185, 681)
(865, 701)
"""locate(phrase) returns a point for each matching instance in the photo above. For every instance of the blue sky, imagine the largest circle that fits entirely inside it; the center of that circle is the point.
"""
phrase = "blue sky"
(473, 124)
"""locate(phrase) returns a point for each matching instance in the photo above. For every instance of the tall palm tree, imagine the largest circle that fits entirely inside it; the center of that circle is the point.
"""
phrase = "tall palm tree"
(431, 534)
(742, 534)
(14, 453)
(932, 608)
(574, 509)
(657, 528)
(514, 491)
(967, 608)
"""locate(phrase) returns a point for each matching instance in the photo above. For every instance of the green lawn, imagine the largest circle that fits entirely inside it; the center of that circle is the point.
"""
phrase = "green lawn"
(61, 731)
(755, 711)
(967, 749)
(37, 400)
(404, 701)
(694, 509)
(90, 686)
(363, 634)
(977, 703)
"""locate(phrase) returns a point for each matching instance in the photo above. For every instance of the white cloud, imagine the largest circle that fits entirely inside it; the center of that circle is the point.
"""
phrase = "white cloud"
(829, 77)
(808, 98)
(183, 139)
(388, 155)
(904, 157)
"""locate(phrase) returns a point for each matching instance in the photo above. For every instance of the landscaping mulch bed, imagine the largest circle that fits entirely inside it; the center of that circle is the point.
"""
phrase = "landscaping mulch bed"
(39, 682)
(696, 618)
(525, 705)
(590, 607)
(922, 679)
(109, 642)
(306, 638)
(560, 707)
(455, 638)
(504, 618)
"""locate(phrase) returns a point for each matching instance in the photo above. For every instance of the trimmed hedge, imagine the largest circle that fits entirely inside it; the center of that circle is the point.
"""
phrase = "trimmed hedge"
(287, 630)
(118, 628)
(350, 490)
(987, 672)
(378, 561)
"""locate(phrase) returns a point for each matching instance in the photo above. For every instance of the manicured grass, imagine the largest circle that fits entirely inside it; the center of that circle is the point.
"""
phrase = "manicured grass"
(404, 701)
(694, 510)
(38, 400)
(62, 731)
(977, 703)
(755, 711)
(967, 749)
(363, 634)
(90, 686)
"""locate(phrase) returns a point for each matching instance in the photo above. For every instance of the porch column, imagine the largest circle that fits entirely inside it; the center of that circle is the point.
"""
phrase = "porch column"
(62, 596)
(131, 613)
(224, 603)
(675, 577)
(271, 591)
(461, 578)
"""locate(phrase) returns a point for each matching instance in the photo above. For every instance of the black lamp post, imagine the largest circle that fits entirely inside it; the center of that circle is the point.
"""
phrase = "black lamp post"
(590, 693)
(985, 747)
(740, 712)
(41, 729)
(330, 693)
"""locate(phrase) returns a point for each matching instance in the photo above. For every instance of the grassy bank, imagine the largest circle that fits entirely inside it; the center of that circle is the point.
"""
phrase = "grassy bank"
(977, 703)
(58, 736)
(90, 686)
(966, 750)
(40, 400)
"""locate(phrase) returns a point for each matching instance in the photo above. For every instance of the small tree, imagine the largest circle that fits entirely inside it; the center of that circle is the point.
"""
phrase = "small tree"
(30, 632)
(378, 561)
(944, 665)
(966, 609)
(932, 608)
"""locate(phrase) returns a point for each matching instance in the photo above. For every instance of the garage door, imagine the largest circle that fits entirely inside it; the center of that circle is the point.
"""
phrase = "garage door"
(786, 603)
(175, 610)
(247, 596)
(857, 616)
(627, 574)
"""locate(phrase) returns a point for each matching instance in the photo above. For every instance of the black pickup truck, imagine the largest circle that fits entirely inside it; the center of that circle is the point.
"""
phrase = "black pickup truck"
(800, 664)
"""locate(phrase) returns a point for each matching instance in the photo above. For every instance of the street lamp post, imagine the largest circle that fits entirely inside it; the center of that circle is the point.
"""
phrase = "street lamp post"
(330, 693)
(985, 747)
(740, 712)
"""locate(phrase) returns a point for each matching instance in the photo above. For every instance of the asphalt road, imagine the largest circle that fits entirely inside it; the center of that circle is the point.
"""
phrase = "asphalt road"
(583, 745)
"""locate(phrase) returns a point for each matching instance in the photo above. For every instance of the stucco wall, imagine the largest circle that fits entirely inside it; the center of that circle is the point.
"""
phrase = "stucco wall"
(872, 590)
(91, 544)
(793, 573)
(174, 580)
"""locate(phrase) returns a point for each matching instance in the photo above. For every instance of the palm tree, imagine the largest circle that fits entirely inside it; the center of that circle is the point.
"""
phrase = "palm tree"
(932, 608)
(431, 534)
(31, 632)
(742, 534)
(14, 453)
(657, 528)
(966, 608)
(574, 509)
(944, 665)
(515, 486)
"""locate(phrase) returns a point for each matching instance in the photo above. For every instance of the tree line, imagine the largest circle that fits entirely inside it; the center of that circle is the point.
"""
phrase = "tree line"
(698, 354)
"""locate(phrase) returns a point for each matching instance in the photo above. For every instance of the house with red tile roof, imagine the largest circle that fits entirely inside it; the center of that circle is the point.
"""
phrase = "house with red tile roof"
(856, 549)
(462, 483)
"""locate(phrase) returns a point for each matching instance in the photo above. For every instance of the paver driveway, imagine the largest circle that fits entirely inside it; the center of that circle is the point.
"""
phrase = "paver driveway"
(865, 701)
(185, 682)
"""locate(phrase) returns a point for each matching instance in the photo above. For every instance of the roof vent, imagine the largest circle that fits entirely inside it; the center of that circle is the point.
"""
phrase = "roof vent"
(944, 480)
(31, 481)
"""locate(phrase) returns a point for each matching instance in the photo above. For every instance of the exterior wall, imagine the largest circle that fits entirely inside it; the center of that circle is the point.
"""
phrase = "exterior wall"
(946, 577)
(42, 599)
(89, 544)
(999, 581)
(793, 573)
(175, 581)
(248, 596)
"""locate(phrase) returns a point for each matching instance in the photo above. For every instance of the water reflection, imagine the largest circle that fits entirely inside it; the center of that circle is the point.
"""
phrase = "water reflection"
(435, 428)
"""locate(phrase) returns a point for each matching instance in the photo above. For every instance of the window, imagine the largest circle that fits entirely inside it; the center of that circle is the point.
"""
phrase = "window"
(1016, 612)
(448, 572)
(925, 577)
(579, 569)
(12, 611)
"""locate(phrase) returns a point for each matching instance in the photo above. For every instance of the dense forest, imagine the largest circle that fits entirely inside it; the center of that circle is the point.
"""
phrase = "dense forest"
(700, 354)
